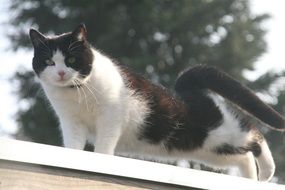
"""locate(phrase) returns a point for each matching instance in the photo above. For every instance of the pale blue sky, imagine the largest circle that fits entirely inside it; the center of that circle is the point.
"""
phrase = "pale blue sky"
(12, 61)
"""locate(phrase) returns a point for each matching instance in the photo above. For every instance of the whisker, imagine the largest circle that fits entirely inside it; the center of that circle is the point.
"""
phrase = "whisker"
(45, 53)
(93, 95)
(85, 98)
(73, 48)
(97, 91)
(75, 53)
(72, 43)
(45, 50)
(78, 91)
(91, 86)
(45, 45)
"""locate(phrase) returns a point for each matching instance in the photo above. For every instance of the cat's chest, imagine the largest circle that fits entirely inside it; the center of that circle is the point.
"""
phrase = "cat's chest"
(75, 104)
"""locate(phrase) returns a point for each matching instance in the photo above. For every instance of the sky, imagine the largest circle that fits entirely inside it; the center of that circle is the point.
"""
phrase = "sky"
(12, 61)
(273, 58)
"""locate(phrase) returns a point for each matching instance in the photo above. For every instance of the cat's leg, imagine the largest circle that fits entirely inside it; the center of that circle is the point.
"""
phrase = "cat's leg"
(264, 161)
(108, 132)
(224, 160)
(246, 165)
(262, 155)
(106, 140)
(244, 158)
(74, 135)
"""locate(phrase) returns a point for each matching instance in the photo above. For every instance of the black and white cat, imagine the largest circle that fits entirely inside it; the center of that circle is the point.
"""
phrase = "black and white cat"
(102, 102)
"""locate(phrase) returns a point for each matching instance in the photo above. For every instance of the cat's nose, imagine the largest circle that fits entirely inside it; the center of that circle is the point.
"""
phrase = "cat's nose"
(61, 74)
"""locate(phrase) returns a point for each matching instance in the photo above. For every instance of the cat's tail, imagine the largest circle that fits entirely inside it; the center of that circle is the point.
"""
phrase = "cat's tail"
(200, 78)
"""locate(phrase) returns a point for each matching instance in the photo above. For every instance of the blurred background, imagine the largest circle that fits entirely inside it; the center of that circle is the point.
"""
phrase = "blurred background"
(157, 38)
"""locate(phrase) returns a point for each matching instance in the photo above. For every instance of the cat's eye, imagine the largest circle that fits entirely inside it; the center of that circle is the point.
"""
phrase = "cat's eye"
(71, 60)
(49, 62)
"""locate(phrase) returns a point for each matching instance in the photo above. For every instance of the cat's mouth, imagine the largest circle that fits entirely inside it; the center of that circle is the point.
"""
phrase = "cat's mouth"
(70, 83)
(65, 81)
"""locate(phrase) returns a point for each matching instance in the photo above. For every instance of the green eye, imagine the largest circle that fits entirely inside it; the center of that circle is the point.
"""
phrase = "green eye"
(49, 62)
(71, 60)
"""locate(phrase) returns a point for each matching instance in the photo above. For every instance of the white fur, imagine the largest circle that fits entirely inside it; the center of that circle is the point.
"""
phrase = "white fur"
(107, 113)
(265, 163)
(229, 131)
(103, 106)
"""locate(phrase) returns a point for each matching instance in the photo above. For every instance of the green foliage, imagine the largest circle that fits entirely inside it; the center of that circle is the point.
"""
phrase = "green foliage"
(158, 38)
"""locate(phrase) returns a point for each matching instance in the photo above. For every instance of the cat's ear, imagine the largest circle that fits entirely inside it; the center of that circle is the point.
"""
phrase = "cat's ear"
(36, 37)
(80, 32)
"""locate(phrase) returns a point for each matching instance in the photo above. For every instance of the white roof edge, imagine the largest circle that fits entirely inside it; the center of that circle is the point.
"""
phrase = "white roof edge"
(28, 152)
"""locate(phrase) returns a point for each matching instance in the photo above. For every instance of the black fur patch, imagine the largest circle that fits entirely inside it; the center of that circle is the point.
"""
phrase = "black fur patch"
(178, 124)
(256, 149)
(70, 47)
(227, 149)
(202, 116)
(205, 77)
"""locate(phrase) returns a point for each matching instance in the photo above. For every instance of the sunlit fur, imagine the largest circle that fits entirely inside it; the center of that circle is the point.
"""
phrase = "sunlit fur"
(123, 113)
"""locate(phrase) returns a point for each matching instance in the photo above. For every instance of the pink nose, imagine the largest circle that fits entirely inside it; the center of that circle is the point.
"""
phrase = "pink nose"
(61, 74)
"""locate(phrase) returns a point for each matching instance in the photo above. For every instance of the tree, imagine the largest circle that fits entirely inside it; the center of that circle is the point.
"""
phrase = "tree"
(158, 38)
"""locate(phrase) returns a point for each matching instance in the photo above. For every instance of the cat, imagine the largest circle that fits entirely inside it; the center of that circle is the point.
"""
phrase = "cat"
(208, 119)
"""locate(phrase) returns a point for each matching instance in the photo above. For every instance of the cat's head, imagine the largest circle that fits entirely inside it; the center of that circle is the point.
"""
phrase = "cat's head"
(63, 60)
